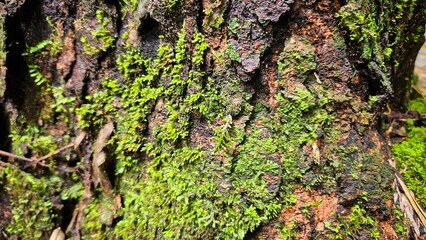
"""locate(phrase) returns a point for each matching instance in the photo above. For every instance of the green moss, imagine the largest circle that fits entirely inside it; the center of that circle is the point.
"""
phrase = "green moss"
(411, 156)
(52, 46)
(98, 214)
(234, 25)
(288, 232)
(92, 227)
(214, 11)
(29, 137)
(56, 106)
(30, 198)
(418, 104)
(357, 222)
(170, 3)
(129, 5)
(232, 52)
(184, 196)
(297, 60)
(60, 103)
(2, 41)
(351, 226)
(88, 48)
(376, 31)
(183, 192)
(100, 39)
(400, 225)
(359, 219)
(38, 77)
(102, 33)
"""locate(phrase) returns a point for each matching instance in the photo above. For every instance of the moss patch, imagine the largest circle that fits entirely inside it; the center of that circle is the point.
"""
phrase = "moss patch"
(33, 213)
(418, 104)
(183, 191)
(367, 22)
(411, 158)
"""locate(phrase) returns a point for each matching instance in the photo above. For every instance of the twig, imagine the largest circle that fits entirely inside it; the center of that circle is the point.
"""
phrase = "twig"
(38, 160)
(8, 154)
(55, 152)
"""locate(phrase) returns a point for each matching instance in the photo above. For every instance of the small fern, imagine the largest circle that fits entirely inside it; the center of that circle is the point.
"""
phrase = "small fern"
(35, 73)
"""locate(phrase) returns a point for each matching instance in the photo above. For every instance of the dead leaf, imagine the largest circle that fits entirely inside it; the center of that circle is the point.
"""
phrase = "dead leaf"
(57, 234)
(99, 157)
(103, 137)
(78, 141)
(316, 152)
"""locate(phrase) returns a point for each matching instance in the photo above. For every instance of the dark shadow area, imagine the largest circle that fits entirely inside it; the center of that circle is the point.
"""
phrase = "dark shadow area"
(20, 89)
(5, 143)
(67, 212)
(149, 31)
(118, 20)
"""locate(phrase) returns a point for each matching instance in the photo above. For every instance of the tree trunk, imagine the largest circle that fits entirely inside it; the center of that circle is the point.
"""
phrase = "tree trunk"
(202, 119)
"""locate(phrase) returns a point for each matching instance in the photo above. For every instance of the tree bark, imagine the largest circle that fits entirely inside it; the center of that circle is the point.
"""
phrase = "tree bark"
(207, 119)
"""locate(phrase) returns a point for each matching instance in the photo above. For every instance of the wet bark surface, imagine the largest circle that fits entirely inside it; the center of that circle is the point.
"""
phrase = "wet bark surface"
(201, 119)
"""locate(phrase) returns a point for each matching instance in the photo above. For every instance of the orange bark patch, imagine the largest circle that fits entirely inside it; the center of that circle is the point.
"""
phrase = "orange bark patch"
(320, 206)
(217, 46)
(388, 231)
(202, 136)
(315, 29)
(272, 82)
(67, 58)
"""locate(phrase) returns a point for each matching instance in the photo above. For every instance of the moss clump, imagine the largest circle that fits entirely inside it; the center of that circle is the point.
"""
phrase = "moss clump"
(400, 224)
(377, 31)
(98, 214)
(31, 198)
(184, 191)
(214, 11)
(411, 155)
(30, 138)
(418, 104)
(51, 46)
(100, 39)
(33, 214)
(301, 113)
(357, 224)
(297, 60)
(411, 158)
